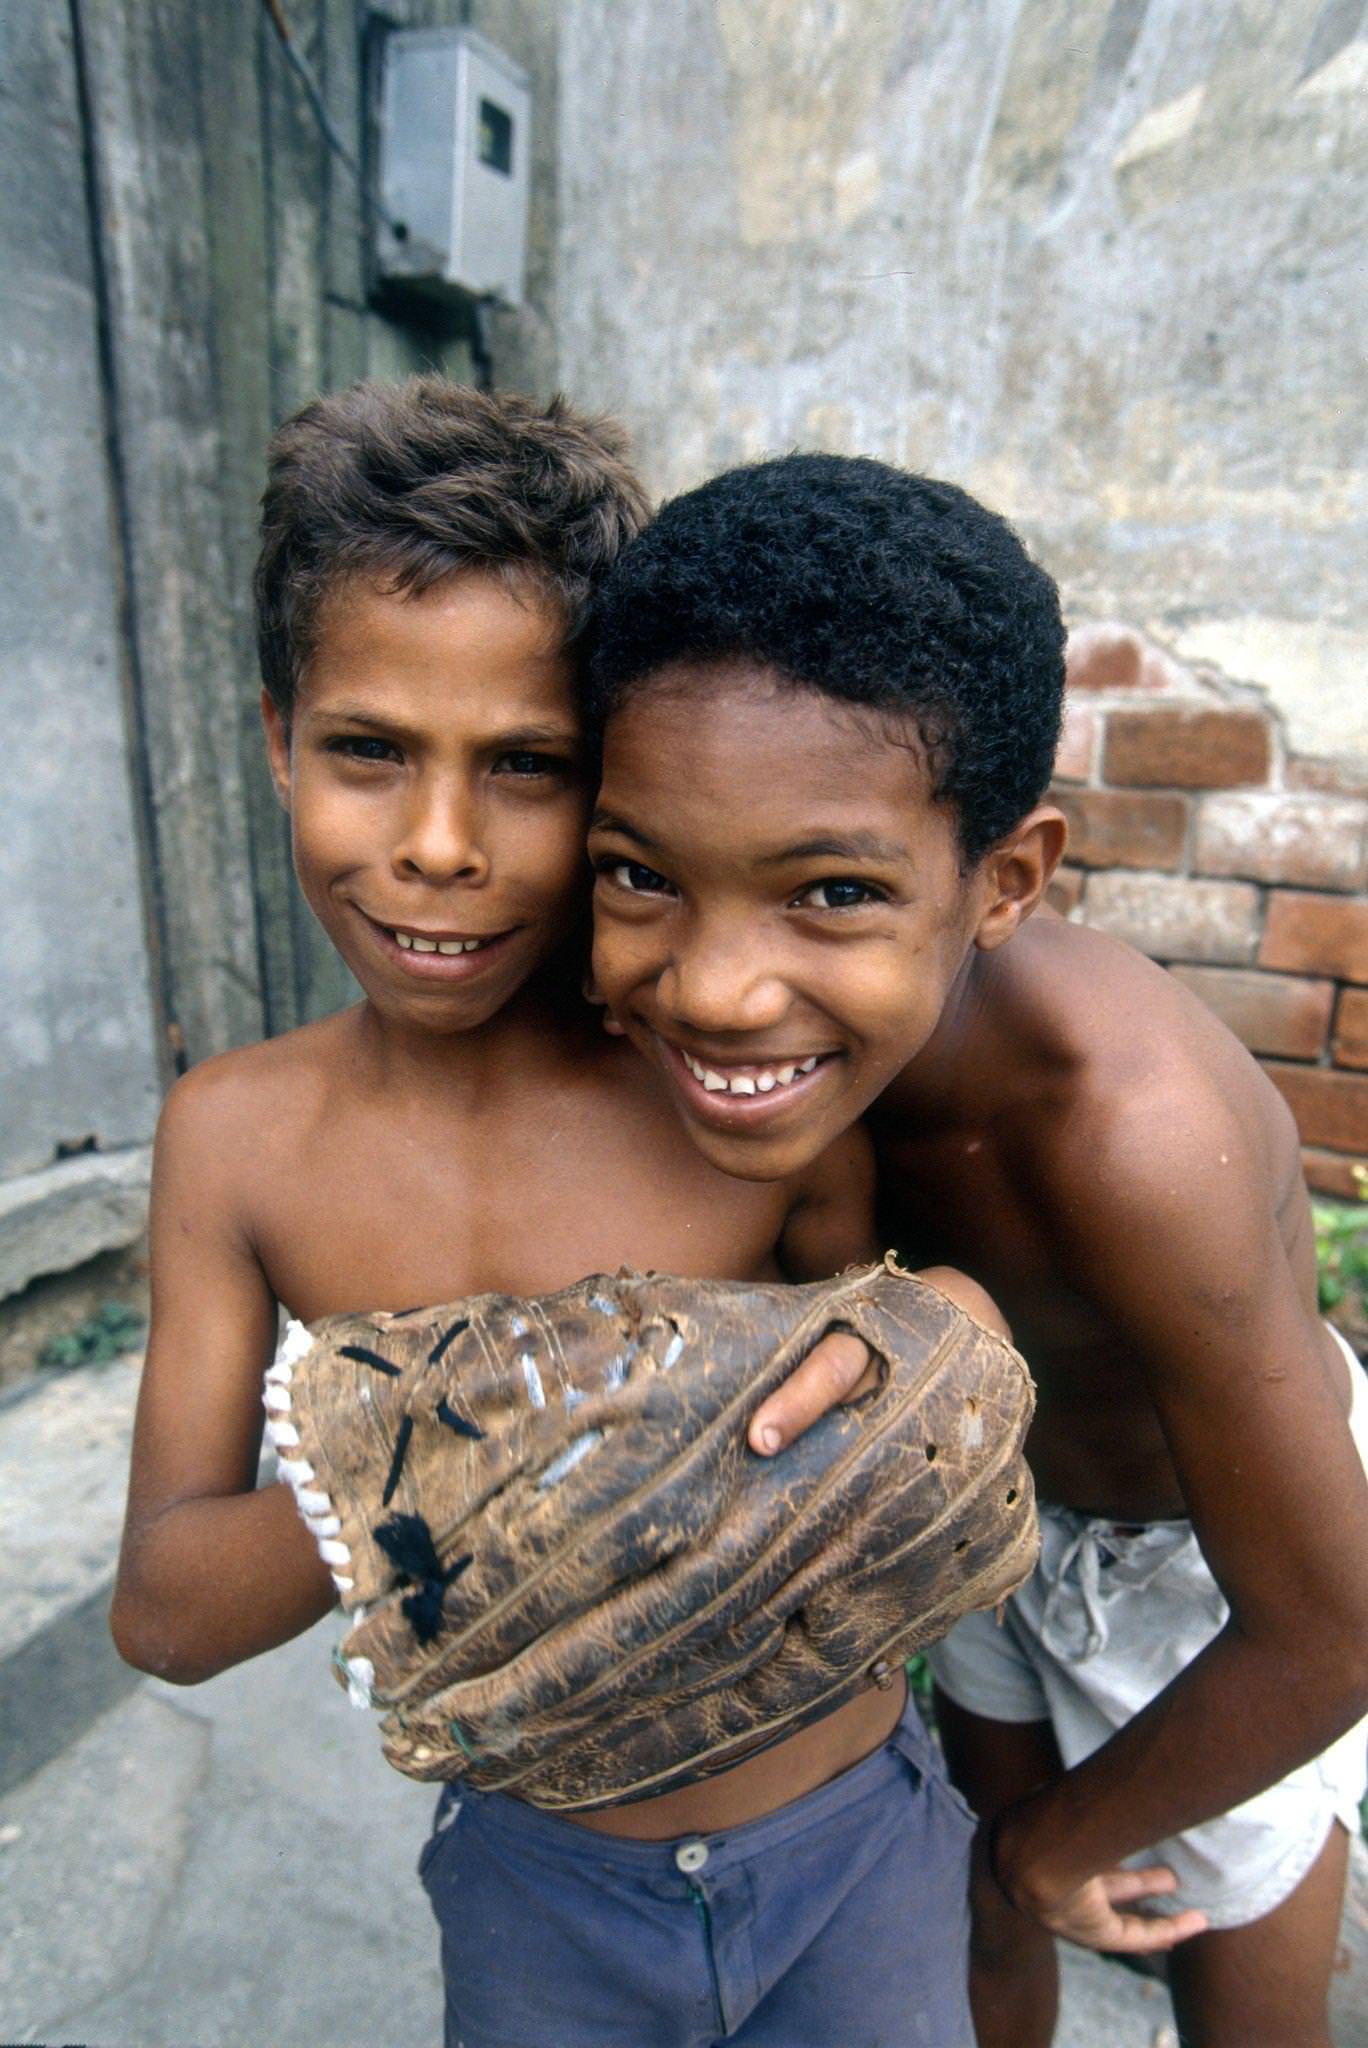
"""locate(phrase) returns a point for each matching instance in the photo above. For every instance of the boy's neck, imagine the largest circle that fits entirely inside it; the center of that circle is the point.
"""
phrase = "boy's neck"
(534, 1024)
(951, 1080)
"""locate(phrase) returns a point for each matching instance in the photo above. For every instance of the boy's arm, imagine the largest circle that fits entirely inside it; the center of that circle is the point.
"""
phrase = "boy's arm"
(211, 1571)
(830, 1226)
(1192, 1275)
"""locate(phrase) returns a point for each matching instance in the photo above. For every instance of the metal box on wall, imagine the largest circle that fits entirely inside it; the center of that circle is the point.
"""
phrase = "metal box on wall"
(453, 164)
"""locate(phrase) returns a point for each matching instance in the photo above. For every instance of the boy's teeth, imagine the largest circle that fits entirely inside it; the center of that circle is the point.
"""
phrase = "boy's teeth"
(411, 944)
(761, 1083)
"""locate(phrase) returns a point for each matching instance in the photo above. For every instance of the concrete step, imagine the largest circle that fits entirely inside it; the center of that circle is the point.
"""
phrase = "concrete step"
(64, 1441)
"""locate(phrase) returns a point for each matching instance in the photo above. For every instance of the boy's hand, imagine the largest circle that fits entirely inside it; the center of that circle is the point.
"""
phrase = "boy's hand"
(1087, 1914)
(840, 1368)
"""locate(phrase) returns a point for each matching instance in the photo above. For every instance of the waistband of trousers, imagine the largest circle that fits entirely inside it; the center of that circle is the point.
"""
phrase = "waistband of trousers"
(907, 1747)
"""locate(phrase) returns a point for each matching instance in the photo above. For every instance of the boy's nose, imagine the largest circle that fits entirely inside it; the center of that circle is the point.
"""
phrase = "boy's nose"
(721, 990)
(441, 842)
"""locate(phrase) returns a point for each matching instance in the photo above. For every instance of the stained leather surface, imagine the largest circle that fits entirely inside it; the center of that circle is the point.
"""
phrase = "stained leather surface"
(645, 1599)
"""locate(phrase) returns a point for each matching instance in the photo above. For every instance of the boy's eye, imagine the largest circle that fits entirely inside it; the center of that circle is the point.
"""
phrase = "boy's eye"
(522, 762)
(633, 876)
(839, 893)
(356, 746)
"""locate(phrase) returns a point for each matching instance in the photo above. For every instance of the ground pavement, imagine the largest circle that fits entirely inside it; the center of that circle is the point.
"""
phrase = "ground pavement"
(234, 1863)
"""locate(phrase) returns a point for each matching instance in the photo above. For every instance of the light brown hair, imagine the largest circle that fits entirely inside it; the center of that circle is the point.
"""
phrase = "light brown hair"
(411, 483)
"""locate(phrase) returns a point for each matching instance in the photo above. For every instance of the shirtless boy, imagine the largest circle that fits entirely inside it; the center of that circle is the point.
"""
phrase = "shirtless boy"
(428, 554)
(832, 696)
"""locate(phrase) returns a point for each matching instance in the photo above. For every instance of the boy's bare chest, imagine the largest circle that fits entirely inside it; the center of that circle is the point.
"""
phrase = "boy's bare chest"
(1096, 1443)
(957, 1201)
(373, 1215)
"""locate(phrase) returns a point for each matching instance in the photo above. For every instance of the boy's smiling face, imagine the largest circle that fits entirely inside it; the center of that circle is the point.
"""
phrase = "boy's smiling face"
(781, 915)
(434, 777)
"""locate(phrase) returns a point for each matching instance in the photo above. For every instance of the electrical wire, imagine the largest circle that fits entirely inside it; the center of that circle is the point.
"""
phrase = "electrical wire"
(481, 355)
(327, 127)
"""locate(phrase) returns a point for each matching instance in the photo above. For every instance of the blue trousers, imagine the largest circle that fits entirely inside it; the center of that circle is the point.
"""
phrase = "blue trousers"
(838, 1921)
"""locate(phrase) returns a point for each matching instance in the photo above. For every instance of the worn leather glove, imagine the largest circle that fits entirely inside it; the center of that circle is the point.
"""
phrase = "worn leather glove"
(569, 1577)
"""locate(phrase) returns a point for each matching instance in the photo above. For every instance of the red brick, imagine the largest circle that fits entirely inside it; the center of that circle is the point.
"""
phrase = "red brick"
(1104, 658)
(1351, 1029)
(1331, 1108)
(1111, 657)
(1184, 747)
(1065, 891)
(1171, 918)
(1316, 935)
(1333, 778)
(1271, 1013)
(1111, 828)
(1334, 1173)
(1319, 842)
(1077, 743)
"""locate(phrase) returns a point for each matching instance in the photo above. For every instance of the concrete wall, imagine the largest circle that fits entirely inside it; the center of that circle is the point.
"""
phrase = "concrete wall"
(1100, 261)
(184, 264)
(1094, 258)
(77, 1047)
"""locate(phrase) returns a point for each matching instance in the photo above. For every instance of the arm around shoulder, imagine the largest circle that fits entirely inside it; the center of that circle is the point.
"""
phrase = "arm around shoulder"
(212, 1570)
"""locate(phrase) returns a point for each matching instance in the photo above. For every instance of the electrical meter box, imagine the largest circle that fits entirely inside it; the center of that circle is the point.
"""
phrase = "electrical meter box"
(453, 165)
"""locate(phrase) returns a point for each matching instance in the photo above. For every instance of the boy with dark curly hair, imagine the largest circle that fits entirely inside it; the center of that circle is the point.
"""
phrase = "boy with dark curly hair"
(831, 694)
(428, 556)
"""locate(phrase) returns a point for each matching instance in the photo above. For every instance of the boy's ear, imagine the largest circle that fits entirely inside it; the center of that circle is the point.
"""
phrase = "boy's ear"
(1016, 873)
(277, 746)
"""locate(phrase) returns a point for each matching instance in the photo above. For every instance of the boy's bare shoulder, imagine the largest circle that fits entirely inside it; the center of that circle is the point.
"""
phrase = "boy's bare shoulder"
(257, 1098)
(1149, 1088)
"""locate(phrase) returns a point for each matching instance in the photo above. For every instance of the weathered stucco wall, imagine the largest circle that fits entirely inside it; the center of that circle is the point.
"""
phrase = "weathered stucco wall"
(1101, 261)
(77, 1048)
(184, 264)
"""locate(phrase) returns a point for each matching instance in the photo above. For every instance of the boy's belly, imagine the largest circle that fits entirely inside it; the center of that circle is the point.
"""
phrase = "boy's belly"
(756, 1787)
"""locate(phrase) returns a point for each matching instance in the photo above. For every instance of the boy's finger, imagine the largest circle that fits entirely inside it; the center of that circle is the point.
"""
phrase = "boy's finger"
(836, 1370)
(1137, 1935)
(1123, 1885)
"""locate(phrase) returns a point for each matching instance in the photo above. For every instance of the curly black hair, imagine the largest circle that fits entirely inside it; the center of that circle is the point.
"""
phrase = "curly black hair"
(870, 585)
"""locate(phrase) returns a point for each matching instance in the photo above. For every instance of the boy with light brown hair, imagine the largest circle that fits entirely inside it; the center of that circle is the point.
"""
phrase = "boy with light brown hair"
(428, 557)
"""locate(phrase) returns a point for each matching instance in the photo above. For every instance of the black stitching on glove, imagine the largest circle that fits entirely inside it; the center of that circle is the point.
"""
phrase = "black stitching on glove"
(447, 1414)
(407, 1542)
(401, 1444)
(364, 1357)
(435, 1355)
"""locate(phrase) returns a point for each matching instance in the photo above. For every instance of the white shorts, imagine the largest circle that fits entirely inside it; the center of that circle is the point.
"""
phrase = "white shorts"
(1107, 1619)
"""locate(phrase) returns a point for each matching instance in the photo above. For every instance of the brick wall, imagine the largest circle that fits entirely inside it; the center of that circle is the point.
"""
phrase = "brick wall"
(1195, 835)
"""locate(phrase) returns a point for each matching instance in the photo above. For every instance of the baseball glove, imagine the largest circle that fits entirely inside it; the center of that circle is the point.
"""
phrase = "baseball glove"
(569, 1578)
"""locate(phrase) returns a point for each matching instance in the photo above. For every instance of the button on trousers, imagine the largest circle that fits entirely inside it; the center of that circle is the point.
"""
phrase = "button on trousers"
(838, 1921)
